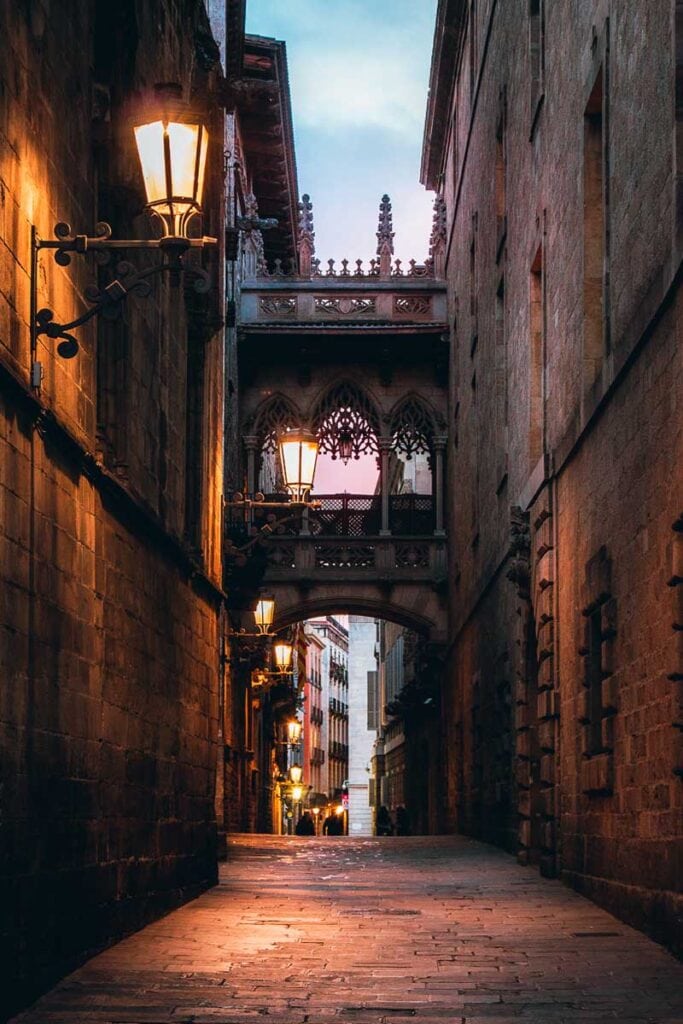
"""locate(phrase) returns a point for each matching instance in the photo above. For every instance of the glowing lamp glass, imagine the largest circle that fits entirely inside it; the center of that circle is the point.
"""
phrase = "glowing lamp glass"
(173, 160)
(264, 613)
(297, 793)
(298, 456)
(294, 731)
(283, 656)
(295, 773)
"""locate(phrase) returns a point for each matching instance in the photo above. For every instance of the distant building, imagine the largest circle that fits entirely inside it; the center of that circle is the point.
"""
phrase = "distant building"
(314, 716)
(335, 687)
(362, 675)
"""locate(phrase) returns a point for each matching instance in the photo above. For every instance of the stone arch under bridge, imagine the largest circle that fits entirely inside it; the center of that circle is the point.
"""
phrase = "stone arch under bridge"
(424, 613)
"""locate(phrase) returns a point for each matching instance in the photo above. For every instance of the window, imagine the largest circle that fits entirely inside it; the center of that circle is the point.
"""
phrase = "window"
(536, 358)
(593, 682)
(474, 55)
(595, 235)
(536, 54)
(193, 438)
(500, 183)
(599, 700)
(473, 283)
(454, 151)
(501, 378)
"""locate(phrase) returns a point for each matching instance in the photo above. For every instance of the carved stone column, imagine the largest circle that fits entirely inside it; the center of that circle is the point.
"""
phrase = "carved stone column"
(439, 449)
(251, 446)
(384, 450)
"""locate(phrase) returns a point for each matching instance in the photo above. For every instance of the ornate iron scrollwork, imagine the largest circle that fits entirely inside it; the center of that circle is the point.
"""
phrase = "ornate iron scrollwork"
(130, 281)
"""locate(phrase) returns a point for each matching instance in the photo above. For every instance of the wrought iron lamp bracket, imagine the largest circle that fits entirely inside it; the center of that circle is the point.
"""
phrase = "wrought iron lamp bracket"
(108, 300)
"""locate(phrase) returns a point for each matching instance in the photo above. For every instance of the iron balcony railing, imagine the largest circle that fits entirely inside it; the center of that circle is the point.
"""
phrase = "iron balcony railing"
(351, 515)
(317, 716)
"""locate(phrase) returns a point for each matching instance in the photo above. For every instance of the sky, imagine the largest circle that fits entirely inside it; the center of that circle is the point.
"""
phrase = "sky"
(358, 73)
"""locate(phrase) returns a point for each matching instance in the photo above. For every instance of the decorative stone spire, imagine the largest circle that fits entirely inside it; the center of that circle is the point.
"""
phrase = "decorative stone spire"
(306, 239)
(385, 237)
(252, 239)
(437, 241)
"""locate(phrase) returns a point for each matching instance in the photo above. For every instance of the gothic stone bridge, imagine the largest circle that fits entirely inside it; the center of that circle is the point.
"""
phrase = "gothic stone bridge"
(359, 355)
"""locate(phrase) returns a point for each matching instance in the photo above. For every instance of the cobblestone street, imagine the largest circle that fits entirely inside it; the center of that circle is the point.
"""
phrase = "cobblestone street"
(375, 930)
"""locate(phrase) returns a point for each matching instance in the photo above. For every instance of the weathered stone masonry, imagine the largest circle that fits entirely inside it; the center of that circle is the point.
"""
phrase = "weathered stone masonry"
(554, 134)
(110, 580)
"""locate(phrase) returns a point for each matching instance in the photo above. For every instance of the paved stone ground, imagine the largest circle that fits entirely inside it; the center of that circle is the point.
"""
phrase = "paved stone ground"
(377, 930)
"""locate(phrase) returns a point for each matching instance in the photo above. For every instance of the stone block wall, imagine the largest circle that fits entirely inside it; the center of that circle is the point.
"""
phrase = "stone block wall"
(576, 447)
(109, 579)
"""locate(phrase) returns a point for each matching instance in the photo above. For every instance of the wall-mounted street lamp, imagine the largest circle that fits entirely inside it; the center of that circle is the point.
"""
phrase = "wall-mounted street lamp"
(173, 160)
(293, 731)
(172, 146)
(296, 773)
(298, 451)
(298, 456)
(283, 654)
(264, 614)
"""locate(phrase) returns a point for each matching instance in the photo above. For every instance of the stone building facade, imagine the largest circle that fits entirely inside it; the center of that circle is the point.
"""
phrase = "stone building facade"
(553, 134)
(111, 483)
(334, 666)
(362, 670)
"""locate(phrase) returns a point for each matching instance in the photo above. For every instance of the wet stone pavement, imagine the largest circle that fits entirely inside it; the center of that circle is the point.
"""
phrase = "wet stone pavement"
(377, 930)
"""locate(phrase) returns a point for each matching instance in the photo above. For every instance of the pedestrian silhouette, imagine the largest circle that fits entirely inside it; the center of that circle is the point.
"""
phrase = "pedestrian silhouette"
(305, 826)
(384, 825)
(402, 822)
(332, 825)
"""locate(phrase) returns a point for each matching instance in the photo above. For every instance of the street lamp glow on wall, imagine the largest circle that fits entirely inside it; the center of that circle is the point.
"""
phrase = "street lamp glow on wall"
(298, 456)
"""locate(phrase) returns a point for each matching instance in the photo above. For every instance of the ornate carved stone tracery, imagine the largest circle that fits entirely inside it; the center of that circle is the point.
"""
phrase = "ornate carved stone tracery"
(274, 416)
(346, 422)
(412, 427)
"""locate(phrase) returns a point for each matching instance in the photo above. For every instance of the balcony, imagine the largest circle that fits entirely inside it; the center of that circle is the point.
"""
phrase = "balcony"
(357, 515)
(316, 716)
(339, 751)
(317, 756)
(337, 707)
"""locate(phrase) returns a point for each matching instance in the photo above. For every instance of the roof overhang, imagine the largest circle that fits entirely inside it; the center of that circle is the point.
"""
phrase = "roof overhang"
(451, 19)
(265, 112)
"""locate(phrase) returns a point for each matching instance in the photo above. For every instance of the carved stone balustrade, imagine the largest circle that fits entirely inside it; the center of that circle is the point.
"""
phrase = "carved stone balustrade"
(332, 300)
(379, 559)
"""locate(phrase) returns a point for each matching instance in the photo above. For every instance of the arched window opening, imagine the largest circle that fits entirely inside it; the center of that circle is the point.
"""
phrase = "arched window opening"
(412, 437)
(347, 426)
(346, 423)
(272, 419)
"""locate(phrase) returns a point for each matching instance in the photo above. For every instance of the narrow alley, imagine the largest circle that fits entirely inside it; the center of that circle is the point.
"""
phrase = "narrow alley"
(375, 930)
